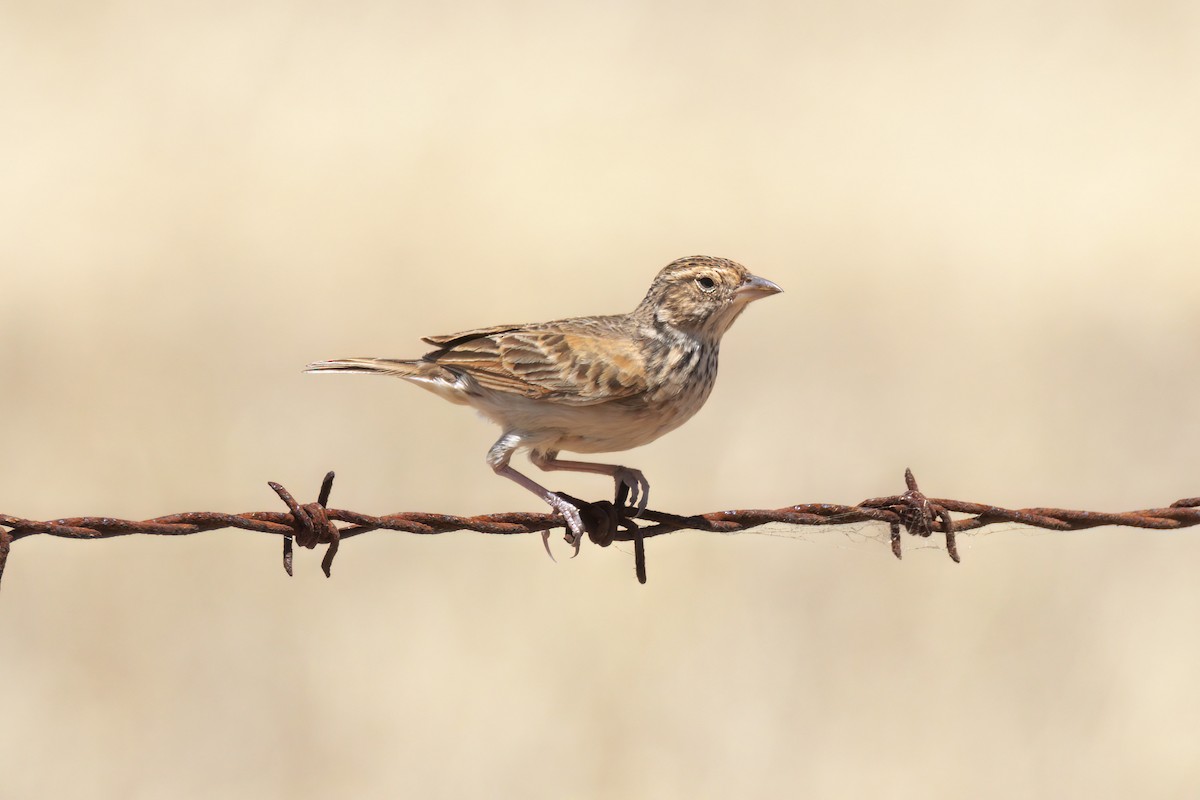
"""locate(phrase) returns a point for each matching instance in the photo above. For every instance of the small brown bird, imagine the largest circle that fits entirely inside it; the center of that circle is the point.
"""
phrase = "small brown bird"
(588, 384)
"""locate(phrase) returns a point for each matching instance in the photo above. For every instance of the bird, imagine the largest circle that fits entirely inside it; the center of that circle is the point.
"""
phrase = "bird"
(595, 384)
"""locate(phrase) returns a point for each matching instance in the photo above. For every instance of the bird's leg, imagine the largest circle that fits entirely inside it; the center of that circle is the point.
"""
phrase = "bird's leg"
(499, 456)
(633, 479)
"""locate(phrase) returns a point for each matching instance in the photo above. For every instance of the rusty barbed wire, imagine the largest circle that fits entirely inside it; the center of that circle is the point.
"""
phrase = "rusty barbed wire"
(312, 524)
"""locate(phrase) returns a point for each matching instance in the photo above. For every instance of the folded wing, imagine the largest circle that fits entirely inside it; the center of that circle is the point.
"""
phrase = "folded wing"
(572, 361)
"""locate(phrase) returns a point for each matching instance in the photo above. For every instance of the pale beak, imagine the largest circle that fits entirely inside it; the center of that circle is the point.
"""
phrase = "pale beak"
(755, 288)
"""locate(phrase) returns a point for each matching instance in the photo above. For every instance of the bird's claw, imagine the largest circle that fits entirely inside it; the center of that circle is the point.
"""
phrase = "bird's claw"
(636, 484)
(575, 529)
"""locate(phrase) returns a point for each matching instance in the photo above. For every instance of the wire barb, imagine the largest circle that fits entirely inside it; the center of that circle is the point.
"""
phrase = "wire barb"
(313, 526)
(917, 513)
(606, 522)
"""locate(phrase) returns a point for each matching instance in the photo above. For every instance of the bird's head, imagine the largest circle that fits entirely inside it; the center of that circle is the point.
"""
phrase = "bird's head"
(703, 295)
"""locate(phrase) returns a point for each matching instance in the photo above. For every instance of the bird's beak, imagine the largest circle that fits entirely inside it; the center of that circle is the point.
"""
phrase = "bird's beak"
(755, 288)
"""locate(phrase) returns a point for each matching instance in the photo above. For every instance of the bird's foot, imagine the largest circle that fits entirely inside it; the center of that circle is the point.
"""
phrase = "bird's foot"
(633, 482)
(575, 530)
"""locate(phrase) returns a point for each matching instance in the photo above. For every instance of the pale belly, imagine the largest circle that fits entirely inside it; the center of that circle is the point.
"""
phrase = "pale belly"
(597, 428)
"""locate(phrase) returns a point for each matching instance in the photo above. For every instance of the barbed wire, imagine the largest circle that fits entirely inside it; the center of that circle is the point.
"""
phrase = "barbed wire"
(313, 524)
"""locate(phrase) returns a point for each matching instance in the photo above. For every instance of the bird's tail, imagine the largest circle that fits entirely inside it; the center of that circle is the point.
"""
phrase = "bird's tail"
(426, 374)
(369, 366)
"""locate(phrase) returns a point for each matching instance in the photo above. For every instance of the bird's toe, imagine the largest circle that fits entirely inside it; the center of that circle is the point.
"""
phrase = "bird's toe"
(638, 487)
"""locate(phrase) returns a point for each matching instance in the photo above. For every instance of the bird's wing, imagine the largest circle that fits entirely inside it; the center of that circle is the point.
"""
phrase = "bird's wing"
(452, 339)
(571, 361)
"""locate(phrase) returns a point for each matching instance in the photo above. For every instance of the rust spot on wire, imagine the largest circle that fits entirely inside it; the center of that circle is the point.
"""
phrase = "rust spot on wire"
(314, 524)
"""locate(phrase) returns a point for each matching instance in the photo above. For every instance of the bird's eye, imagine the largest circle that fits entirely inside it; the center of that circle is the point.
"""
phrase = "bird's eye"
(706, 283)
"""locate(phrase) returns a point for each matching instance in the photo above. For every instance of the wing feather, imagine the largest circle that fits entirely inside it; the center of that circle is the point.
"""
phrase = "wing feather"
(578, 362)
(452, 339)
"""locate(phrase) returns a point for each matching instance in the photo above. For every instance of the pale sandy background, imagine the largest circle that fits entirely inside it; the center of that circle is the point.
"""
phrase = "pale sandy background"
(985, 218)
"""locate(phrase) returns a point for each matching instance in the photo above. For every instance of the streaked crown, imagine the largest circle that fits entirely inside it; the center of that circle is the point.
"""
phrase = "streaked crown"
(702, 295)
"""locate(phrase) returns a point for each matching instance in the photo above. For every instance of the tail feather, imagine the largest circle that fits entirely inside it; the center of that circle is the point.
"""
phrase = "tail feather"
(428, 375)
(367, 366)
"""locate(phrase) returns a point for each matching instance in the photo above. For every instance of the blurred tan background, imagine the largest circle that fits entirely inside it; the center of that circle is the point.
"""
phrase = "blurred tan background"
(985, 220)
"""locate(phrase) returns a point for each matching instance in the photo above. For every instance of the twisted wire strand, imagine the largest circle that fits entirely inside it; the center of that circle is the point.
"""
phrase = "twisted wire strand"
(313, 524)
